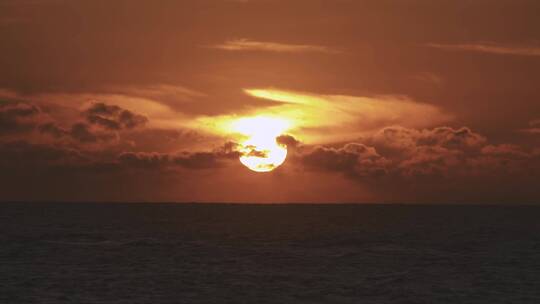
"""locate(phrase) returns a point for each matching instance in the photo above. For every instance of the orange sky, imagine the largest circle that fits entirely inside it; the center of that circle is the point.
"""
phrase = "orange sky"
(414, 101)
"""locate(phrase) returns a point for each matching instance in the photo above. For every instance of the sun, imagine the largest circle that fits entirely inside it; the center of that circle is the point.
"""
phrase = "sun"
(260, 151)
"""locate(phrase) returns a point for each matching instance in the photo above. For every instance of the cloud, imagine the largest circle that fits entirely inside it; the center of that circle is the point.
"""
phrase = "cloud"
(24, 156)
(438, 164)
(97, 127)
(23, 118)
(288, 141)
(353, 159)
(83, 133)
(534, 127)
(113, 117)
(265, 46)
(156, 102)
(173, 96)
(17, 117)
(21, 155)
(408, 160)
(507, 151)
(52, 129)
(489, 48)
(406, 140)
(196, 160)
(327, 118)
(396, 164)
(103, 123)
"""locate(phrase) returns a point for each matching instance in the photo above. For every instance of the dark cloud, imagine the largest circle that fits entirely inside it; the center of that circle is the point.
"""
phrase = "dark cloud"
(112, 117)
(252, 151)
(288, 141)
(505, 150)
(353, 159)
(17, 117)
(83, 133)
(437, 165)
(400, 139)
(14, 110)
(449, 138)
(451, 162)
(199, 160)
(104, 122)
(188, 160)
(144, 160)
(21, 155)
(53, 129)
(407, 152)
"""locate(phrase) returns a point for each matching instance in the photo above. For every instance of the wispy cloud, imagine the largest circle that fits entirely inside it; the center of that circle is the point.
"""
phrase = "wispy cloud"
(490, 48)
(318, 118)
(266, 46)
(534, 127)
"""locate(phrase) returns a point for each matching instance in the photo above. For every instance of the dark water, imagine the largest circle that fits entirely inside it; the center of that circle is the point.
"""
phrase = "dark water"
(166, 253)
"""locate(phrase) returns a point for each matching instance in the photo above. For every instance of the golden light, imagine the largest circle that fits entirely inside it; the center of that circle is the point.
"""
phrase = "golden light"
(314, 118)
(260, 151)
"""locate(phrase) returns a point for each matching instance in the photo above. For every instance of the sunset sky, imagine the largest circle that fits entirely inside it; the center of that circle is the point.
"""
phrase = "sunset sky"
(416, 101)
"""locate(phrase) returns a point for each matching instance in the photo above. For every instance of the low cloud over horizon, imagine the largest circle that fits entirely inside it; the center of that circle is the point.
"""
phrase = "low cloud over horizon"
(392, 164)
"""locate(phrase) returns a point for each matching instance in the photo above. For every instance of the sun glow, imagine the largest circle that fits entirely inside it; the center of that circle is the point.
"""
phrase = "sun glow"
(260, 151)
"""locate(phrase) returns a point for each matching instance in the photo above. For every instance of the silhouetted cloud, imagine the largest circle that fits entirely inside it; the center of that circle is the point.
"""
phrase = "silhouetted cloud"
(404, 153)
(23, 156)
(288, 141)
(113, 117)
(189, 160)
(407, 139)
(83, 133)
(17, 117)
(144, 160)
(53, 129)
(353, 159)
(431, 165)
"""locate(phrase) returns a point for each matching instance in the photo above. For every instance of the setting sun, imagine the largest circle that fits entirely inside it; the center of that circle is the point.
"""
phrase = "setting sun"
(260, 151)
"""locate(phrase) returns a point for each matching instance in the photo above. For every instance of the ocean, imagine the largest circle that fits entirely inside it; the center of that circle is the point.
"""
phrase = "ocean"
(226, 253)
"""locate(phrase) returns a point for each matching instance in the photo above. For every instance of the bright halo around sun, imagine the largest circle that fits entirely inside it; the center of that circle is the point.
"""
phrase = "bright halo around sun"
(260, 152)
